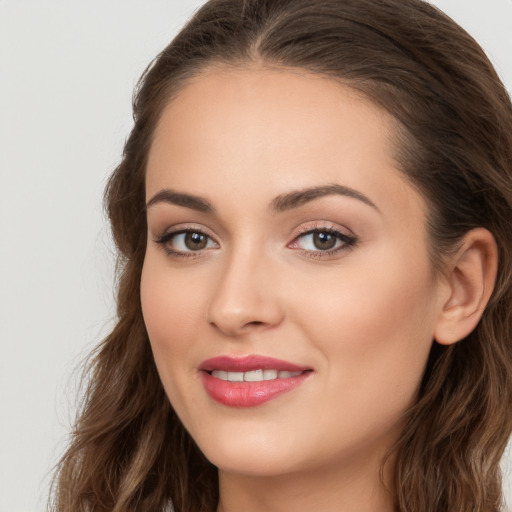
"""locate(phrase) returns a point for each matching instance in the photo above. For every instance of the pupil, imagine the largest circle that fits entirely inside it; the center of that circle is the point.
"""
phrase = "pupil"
(195, 241)
(323, 240)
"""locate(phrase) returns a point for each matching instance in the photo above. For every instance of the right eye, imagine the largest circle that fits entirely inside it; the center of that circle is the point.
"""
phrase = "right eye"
(185, 242)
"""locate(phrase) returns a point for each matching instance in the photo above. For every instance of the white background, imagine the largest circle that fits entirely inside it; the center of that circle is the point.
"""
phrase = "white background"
(67, 70)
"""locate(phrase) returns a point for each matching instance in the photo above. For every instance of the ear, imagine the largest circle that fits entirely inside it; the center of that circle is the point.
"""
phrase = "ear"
(470, 277)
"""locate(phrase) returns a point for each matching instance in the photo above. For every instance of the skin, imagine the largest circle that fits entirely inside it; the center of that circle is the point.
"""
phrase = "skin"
(363, 318)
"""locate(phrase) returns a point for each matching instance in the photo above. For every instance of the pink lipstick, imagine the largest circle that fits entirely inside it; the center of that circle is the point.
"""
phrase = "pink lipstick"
(249, 380)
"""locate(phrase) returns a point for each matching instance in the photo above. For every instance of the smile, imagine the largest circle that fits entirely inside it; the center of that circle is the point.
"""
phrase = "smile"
(249, 381)
(254, 375)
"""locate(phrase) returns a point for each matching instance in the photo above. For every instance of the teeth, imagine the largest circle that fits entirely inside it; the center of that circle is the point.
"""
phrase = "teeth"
(254, 375)
(270, 374)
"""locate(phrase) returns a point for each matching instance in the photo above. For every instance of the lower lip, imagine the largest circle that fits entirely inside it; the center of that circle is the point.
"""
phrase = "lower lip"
(248, 394)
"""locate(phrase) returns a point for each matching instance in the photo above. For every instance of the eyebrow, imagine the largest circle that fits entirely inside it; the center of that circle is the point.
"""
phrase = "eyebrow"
(300, 197)
(281, 203)
(179, 199)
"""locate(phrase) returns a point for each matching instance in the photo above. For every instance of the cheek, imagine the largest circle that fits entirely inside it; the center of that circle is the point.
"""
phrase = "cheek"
(172, 309)
(374, 328)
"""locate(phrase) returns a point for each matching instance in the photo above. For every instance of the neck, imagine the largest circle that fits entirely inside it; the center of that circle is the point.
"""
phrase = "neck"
(350, 489)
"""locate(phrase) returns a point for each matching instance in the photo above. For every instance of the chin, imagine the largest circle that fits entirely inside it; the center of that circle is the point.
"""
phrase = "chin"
(269, 448)
(255, 463)
(251, 452)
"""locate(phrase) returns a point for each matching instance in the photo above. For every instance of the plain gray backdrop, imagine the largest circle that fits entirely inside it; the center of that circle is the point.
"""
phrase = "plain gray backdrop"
(67, 70)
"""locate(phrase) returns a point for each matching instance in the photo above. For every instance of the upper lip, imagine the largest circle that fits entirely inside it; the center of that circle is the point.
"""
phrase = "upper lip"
(249, 363)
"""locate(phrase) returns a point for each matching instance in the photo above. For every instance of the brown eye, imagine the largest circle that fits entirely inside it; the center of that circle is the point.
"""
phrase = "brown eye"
(186, 242)
(324, 240)
(195, 241)
(320, 241)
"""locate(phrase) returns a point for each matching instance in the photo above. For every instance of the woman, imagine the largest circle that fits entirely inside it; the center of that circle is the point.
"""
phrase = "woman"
(313, 215)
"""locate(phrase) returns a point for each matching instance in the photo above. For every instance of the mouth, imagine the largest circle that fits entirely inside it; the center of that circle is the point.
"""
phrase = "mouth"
(251, 380)
(254, 375)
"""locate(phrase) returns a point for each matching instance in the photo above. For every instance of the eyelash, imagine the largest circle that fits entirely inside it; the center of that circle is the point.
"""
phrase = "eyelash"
(348, 242)
(164, 239)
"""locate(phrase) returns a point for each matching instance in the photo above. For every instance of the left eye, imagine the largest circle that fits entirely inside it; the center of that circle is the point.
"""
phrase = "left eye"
(325, 240)
(187, 241)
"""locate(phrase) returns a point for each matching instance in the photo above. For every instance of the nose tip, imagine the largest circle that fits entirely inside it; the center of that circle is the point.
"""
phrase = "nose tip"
(244, 302)
(238, 321)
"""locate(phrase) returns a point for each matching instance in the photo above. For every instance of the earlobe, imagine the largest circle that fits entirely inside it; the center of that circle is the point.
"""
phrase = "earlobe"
(470, 278)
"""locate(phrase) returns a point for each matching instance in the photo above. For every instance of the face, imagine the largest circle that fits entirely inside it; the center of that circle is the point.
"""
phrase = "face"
(286, 289)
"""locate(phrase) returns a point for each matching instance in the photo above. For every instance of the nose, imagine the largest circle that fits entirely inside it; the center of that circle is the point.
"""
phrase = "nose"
(245, 299)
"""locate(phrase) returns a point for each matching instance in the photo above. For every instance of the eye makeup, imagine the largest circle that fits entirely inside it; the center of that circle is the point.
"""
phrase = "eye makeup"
(316, 240)
(322, 240)
(186, 242)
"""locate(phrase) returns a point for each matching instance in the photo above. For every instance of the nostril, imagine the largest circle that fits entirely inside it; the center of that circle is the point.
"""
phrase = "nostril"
(236, 317)
(256, 324)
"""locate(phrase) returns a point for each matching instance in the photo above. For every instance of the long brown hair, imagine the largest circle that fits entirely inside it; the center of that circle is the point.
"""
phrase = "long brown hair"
(129, 452)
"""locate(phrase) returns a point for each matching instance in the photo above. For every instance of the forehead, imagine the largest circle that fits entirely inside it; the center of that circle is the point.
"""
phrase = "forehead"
(261, 129)
(257, 96)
